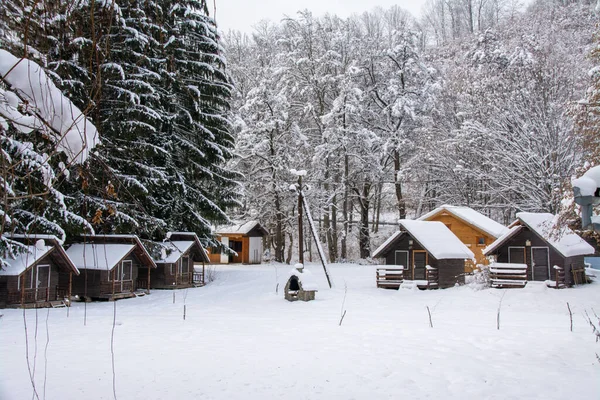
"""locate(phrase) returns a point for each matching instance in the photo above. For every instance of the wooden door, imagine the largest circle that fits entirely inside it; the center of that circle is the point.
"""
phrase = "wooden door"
(126, 275)
(42, 282)
(540, 263)
(419, 263)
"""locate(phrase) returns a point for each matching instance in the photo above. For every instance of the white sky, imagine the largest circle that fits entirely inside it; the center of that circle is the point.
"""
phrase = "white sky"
(243, 14)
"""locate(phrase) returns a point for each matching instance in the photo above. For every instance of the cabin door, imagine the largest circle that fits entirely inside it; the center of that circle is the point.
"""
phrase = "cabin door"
(42, 282)
(540, 263)
(419, 263)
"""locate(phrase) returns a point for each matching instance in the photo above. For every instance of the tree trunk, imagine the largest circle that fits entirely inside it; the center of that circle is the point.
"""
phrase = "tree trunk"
(363, 234)
(333, 234)
(345, 209)
(401, 202)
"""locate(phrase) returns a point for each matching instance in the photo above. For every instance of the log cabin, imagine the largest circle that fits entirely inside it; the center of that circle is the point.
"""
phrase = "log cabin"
(41, 276)
(112, 267)
(428, 253)
(176, 269)
(536, 240)
(471, 227)
(241, 243)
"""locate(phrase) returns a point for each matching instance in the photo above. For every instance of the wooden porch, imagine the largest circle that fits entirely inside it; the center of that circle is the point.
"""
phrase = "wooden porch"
(393, 278)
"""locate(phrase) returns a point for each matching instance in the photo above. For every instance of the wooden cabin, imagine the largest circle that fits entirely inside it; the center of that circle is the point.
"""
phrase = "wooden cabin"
(472, 228)
(39, 277)
(427, 252)
(535, 240)
(242, 243)
(112, 267)
(176, 270)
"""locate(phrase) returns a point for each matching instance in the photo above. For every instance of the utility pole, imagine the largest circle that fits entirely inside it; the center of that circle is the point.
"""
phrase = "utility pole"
(300, 233)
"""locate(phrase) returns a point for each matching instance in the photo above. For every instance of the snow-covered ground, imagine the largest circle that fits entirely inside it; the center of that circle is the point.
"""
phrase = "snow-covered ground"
(242, 341)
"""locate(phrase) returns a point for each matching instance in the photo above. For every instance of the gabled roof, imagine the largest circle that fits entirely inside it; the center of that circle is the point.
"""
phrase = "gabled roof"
(472, 217)
(37, 247)
(563, 240)
(241, 229)
(25, 260)
(98, 256)
(434, 237)
(181, 246)
(106, 251)
(512, 231)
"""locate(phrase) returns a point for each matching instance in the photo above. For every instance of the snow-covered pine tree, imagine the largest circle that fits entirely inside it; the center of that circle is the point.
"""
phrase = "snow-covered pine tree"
(197, 124)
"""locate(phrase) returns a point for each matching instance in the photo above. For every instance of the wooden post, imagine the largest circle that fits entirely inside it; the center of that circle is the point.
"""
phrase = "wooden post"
(23, 289)
(300, 233)
(148, 287)
(69, 292)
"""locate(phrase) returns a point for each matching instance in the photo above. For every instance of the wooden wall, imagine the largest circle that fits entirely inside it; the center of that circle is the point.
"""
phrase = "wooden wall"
(10, 284)
(466, 233)
(450, 271)
(536, 241)
(98, 283)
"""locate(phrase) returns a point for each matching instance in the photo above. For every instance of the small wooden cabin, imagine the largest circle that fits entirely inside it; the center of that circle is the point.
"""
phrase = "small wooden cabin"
(242, 243)
(176, 270)
(535, 240)
(422, 244)
(39, 277)
(474, 229)
(112, 267)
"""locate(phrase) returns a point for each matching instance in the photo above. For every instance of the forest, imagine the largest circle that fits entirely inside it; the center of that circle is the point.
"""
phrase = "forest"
(484, 103)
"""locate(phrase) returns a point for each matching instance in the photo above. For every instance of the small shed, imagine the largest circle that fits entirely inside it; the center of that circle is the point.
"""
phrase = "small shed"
(176, 269)
(422, 244)
(112, 267)
(473, 228)
(41, 276)
(536, 240)
(301, 285)
(240, 243)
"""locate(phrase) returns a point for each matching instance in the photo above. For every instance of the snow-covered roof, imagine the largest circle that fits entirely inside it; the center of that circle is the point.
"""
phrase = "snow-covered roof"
(434, 236)
(437, 239)
(563, 239)
(512, 231)
(385, 244)
(306, 278)
(178, 248)
(35, 236)
(25, 260)
(240, 229)
(475, 218)
(98, 255)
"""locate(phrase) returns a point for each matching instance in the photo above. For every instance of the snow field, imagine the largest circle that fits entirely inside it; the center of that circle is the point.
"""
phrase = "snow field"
(241, 340)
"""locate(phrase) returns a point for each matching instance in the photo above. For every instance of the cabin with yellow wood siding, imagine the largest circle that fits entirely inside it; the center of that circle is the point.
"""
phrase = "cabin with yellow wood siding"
(474, 229)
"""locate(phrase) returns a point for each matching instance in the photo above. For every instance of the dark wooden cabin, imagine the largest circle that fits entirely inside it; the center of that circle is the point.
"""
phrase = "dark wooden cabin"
(246, 241)
(112, 267)
(40, 277)
(176, 270)
(535, 239)
(422, 244)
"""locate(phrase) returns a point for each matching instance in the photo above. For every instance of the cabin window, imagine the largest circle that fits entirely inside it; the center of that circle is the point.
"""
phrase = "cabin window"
(28, 277)
(185, 262)
(172, 269)
(401, 258)
(480, 241)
